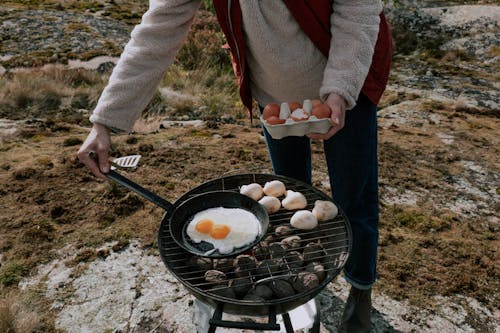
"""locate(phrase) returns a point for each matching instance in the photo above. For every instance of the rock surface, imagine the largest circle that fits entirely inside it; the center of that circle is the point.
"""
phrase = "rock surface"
(130, 290)
(59, 35)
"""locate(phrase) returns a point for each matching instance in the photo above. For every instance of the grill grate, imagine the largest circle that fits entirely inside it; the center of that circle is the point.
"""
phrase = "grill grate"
(333, 236)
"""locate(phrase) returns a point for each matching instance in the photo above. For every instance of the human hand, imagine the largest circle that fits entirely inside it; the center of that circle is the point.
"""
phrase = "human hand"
(97, 141)
(337, 104)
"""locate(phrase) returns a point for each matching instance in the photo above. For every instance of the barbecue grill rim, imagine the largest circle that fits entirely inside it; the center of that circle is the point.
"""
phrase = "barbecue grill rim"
(281, 302)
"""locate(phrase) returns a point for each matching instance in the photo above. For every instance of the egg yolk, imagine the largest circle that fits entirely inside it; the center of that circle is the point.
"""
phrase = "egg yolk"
(220, 231)
(204, 226)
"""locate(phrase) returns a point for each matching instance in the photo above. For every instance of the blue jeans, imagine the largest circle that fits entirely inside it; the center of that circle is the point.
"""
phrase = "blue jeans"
(351, 156)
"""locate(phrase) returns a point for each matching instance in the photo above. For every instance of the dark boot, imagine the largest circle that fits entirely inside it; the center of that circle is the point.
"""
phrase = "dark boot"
(357, 312)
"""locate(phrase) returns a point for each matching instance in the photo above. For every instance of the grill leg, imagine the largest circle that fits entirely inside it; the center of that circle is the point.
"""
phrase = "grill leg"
(287, 322)
(217, 316)
(317, 322)
(217, 321)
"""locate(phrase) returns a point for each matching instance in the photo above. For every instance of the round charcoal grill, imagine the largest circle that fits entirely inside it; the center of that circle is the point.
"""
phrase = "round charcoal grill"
(334, 237)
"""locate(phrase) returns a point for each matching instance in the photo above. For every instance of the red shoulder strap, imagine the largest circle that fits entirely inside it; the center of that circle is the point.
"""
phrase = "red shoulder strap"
(313, 18)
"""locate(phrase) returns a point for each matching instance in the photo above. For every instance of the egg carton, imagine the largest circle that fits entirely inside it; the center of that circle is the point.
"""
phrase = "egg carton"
(298, 128)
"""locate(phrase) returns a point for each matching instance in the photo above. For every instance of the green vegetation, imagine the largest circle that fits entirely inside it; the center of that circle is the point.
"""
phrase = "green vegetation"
(78, 26)
(52, 200)
(127, 11)
(57, 93)
(202, 69)
(11, 273)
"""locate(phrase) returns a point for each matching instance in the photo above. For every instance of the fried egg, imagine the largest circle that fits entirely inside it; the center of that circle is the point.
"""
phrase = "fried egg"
(224, 228)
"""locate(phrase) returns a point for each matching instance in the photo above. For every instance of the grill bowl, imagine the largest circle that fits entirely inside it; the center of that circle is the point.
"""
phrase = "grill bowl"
(335, 235)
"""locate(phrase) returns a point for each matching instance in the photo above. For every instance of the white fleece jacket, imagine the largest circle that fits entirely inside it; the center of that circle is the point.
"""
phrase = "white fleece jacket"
(156, 40)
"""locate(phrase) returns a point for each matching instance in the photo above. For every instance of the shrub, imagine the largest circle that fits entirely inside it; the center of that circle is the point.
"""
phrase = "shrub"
(11, 273)
(414, 30)
(204, 45)
(54, 93)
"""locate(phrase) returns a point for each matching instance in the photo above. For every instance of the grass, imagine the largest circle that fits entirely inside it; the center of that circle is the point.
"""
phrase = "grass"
(127, 11)
(422, 252)
(19, 313)
(202, 69)
(77, 26)
(11, 273)
(46, 93)
(216, 94)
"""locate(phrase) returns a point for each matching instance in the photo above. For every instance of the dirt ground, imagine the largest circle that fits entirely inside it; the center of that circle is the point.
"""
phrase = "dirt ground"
(439, 187)
(49, 200)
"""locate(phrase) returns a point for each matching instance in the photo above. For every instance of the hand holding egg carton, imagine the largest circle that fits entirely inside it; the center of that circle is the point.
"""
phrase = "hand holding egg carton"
(302, 219)
(294, 119)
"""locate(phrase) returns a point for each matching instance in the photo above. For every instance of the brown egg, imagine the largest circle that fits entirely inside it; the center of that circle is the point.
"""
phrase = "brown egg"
(271, 109)
(294, 105)
(316, 102)
(273, 120)
(321, 111)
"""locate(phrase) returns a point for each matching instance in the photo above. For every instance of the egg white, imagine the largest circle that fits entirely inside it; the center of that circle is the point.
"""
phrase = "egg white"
(245, 227)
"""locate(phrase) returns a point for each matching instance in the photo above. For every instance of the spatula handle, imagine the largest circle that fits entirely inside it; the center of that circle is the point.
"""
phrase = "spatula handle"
(147, 194)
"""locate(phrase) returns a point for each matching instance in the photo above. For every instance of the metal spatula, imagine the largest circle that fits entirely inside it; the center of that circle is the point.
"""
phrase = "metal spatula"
(130, 161)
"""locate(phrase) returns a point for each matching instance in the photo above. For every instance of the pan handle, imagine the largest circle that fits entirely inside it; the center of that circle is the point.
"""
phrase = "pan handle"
(154, 198)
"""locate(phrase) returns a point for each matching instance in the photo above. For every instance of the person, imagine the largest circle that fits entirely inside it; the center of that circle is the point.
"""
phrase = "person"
(336, 50)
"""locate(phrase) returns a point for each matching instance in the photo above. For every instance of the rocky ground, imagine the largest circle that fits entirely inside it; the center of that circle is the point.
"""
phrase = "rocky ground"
(91, 246)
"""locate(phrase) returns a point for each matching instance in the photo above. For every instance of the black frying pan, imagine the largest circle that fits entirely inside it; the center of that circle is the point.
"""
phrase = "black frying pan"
(179, 217)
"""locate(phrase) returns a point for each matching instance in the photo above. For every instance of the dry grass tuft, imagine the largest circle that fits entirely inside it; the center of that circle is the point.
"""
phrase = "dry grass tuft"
(216, 93)
(46, 92)
(16, 317)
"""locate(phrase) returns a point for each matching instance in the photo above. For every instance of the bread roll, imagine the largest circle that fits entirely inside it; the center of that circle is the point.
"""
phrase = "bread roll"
(294, 200)
(274, 188)
(324, 210)
(253, 191)
(304, 219)
(271, 204)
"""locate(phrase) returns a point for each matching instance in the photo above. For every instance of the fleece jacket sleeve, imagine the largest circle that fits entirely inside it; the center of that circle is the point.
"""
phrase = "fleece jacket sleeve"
(144, 61)
(354, 28)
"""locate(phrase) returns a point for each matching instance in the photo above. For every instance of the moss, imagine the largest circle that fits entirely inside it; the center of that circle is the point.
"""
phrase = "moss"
(128, 17)
(494, 51)
(85, 255)
(81, 78)
(128, 205)
(24, 173)
(200, 133)
(411, 219)
(72, 141)
(433, 105)
(45, 162)
(204, 45)
(123, 242)
(50, 101)
(241, 153)
(77, 26)
(23, 100)
(42, 230)
(11, 273)
(80, 101)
